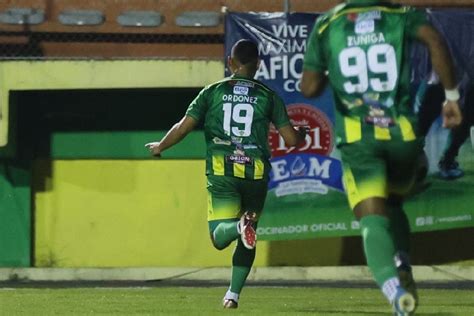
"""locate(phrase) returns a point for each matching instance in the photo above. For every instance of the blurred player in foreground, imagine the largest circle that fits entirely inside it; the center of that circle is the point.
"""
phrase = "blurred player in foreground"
(360, 47)
(236, 112)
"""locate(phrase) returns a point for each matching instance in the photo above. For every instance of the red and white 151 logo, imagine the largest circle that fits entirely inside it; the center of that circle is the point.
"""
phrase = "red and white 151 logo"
(319, 139)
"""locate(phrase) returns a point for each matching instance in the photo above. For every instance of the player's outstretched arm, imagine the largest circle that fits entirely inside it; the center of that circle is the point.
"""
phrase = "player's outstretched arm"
(293, 136)
(313, 83)
(174, 136)
(444, 67)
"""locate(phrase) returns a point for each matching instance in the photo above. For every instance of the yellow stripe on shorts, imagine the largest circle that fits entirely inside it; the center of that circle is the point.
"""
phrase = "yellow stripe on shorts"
(350, 187)
(382, 133)
(259, 167)
(239, 170)
(218, 165)
(210, 208)
(407, 129)
(217, 209)
(360, 191)
(353, 129)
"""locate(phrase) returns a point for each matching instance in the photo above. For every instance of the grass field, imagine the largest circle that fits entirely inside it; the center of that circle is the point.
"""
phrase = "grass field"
(207, 301)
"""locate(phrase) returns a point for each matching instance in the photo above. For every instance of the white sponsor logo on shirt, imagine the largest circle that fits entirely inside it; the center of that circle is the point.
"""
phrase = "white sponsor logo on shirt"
(365, 26)
(241, 90)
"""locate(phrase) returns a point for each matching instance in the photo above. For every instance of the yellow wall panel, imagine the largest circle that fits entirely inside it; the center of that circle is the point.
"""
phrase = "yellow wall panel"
(118, 213)
(97, 74)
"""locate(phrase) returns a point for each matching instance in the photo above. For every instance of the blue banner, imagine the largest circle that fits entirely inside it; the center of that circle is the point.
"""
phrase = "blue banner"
(281, 39)
(308, 173)
(457, 28)
(306, 197)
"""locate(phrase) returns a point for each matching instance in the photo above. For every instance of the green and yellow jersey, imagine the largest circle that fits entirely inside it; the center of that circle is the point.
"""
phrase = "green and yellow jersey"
(237, 112)
(364, 49)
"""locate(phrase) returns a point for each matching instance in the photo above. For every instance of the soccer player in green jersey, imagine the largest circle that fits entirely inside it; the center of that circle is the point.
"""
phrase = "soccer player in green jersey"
(236, 112)
(361, 48)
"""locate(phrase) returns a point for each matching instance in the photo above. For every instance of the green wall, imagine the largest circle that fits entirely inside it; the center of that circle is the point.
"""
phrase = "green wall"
(79, 124)
(15, 229)
(83, 109)
(101, 123)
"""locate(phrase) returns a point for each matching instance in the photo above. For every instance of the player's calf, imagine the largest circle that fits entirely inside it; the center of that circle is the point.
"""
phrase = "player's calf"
(224, 234)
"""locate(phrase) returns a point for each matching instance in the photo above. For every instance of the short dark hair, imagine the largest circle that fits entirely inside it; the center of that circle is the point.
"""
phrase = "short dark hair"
(245, 51)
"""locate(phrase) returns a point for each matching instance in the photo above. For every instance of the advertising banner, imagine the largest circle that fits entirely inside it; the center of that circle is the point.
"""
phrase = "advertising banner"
(306, 197)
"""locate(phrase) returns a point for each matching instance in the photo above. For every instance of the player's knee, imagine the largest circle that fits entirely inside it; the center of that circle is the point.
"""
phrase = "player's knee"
(217, 245)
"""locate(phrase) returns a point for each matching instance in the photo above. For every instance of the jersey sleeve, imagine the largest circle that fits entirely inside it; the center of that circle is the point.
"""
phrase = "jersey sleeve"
(314, 57)
(415, 19)
(279, 114)
(198, 107)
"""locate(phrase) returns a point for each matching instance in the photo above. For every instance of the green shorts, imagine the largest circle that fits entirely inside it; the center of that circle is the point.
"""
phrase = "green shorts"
(379, 168)
(230, 197)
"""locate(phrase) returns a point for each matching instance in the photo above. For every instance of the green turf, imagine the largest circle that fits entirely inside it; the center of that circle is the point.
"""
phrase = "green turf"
(206, 301)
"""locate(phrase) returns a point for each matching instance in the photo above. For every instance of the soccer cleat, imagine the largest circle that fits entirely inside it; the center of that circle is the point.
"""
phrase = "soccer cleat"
(408, 283)
(404, 303)
(229, 304)
(247, 229)
(449, 170)
(405, 274)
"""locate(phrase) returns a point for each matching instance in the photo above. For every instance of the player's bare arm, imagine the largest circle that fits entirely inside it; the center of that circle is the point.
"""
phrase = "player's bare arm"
(174, 136)
(443, 66)
(293, 136)
(313, 83)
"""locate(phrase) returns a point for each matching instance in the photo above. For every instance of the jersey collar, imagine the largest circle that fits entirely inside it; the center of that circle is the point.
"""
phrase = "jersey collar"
(240, 77)
(235, 76)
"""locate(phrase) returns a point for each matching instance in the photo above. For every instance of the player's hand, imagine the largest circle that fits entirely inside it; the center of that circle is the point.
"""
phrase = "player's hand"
(302, 132)
(451, 114)
(154, 148)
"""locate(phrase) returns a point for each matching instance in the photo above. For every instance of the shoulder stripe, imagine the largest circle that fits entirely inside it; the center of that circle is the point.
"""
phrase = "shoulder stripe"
(324, 26)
